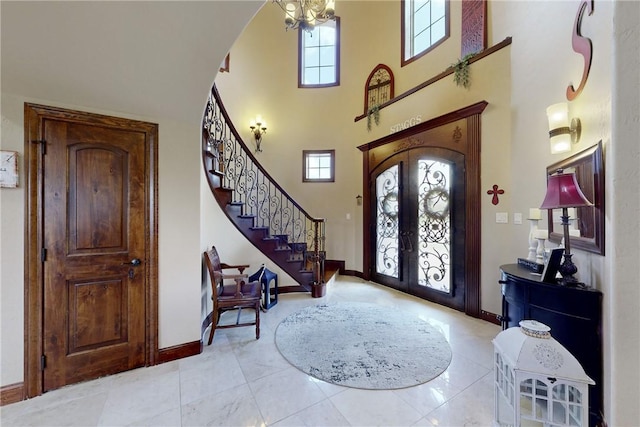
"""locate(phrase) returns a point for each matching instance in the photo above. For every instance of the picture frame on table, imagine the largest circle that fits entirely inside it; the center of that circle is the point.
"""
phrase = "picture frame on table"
(551, 267)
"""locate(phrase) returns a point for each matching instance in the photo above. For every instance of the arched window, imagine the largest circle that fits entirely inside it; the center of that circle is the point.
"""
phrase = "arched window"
(379, 87)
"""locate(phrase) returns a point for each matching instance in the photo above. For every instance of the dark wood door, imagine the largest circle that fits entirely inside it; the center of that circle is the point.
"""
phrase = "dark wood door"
(454, 139)
(97, 258)
(419, 211)
(94, 208)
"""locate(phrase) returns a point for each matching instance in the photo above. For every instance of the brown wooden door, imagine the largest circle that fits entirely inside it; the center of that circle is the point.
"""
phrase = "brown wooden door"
(95, 250)
(392, 252)
(418, 209)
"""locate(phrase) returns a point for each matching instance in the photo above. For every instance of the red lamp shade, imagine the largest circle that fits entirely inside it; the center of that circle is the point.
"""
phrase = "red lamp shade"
(563, 191)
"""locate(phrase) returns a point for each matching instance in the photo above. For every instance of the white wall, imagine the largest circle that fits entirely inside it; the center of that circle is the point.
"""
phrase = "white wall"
(622, 301)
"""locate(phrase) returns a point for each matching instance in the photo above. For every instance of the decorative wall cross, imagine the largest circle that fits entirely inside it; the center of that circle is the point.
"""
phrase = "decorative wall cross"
(495, 193)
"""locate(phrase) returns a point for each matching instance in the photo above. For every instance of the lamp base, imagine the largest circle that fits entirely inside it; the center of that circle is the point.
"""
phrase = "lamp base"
(567, 269)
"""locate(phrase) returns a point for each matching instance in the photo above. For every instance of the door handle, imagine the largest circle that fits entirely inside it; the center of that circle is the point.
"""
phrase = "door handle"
(409, 235)
(135, 262)
(405, 241)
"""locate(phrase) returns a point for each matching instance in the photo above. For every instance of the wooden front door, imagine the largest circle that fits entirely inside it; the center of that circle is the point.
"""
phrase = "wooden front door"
(418, 208)
(422, 228)
(97, 257)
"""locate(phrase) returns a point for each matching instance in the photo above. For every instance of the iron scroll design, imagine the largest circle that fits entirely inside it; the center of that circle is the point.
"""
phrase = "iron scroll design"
(257, 192)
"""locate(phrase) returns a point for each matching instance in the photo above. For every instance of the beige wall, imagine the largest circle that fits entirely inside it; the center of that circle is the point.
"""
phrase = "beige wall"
(151, 61)
(300, 119)
(519, 82)
(543, 64)
(179, 251)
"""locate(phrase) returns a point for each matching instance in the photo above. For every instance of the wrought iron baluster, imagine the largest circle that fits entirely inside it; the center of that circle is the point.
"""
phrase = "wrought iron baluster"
(260, 195)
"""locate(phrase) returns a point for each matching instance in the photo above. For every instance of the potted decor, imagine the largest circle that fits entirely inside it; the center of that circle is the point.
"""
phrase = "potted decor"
(373, 112)
(461, 71)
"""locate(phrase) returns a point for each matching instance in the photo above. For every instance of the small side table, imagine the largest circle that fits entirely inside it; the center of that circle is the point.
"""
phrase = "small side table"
(269, 295)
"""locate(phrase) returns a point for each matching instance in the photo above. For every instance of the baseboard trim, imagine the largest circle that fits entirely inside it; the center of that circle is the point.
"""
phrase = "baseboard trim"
(11, 393)
(333, 265)
(490, 317)
(179, 351)
(354, 273)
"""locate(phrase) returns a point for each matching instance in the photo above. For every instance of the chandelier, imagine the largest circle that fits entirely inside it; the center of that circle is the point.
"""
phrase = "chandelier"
(305, 14)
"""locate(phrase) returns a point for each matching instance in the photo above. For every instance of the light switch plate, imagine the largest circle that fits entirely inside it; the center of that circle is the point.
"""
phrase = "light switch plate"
(502, 217)
(517, 218)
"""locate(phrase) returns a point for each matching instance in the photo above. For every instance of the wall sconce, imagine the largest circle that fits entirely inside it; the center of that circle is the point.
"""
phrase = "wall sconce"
(359, 200)
(259, 128)
(563, 192)
(561, 134)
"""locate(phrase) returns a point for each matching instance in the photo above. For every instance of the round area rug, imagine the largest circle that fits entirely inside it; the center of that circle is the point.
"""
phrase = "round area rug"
(363, 345)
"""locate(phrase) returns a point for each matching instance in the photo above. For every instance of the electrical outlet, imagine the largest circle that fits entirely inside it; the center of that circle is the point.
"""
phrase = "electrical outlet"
(502, 217)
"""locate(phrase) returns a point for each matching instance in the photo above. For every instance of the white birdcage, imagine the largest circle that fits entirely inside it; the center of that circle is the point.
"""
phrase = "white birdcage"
(537, 381)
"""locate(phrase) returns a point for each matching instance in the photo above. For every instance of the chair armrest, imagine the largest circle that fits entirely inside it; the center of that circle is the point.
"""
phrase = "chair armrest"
(240, 267)
(234, 276)
(240, 280)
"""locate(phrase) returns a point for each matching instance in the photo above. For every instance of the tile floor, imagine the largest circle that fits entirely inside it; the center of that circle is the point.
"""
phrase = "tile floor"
(238, 381)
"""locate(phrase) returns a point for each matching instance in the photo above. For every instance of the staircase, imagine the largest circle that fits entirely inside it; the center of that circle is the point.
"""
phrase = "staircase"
(258, 207)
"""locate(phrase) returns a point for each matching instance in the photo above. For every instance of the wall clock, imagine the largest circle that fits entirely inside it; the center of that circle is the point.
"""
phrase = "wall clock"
(8, 169)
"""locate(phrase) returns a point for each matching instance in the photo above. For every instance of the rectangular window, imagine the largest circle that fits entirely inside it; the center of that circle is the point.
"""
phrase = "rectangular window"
(318, 165)
(425, 24)
(319, 55)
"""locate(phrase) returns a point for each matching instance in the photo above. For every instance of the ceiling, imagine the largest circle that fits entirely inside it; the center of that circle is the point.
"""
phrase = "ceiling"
(148, 58)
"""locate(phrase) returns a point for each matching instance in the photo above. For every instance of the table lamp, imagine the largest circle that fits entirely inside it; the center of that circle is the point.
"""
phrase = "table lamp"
(563, 192)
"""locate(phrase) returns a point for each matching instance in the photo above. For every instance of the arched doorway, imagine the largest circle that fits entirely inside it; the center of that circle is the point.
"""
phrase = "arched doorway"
(422, 187)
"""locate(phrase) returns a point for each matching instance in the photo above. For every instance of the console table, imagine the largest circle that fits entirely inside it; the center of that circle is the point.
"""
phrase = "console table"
(574, 315)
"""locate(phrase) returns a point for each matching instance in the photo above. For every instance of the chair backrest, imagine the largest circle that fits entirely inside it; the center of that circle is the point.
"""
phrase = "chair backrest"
(214, 266)
(214, 259)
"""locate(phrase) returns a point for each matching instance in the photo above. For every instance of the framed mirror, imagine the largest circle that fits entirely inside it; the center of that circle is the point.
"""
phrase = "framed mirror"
(586, 224)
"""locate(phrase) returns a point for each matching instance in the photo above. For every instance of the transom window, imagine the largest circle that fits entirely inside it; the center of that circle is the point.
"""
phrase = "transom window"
(318, 165)
(319, 55)
(425, 24)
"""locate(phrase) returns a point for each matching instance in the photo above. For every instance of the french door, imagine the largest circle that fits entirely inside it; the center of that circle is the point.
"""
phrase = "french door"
(418, 213)
(421, 227)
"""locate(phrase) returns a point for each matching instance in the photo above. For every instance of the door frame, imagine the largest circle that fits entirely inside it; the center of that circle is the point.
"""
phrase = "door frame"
(468, 141)
(34, 115)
